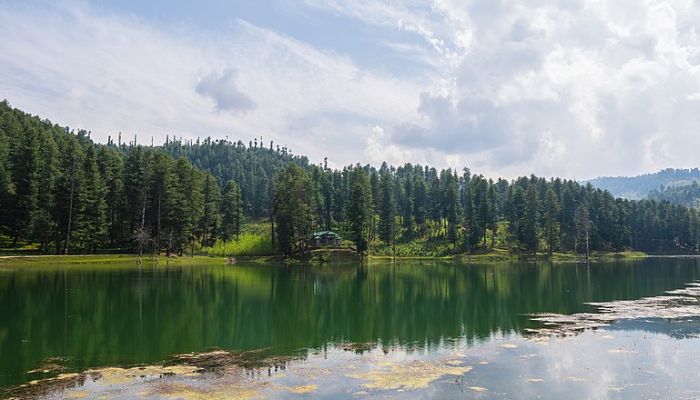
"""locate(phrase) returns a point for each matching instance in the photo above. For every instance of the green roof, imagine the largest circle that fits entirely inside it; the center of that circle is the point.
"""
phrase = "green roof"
(325, 234)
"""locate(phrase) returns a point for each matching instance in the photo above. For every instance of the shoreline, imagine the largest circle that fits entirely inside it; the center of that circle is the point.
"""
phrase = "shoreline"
(490, 257)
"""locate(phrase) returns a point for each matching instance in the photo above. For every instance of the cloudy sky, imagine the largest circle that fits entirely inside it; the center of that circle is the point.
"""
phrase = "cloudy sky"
(552, 87)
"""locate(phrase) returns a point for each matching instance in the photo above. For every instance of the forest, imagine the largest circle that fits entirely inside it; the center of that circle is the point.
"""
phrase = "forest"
(67, 194)
(687, 195)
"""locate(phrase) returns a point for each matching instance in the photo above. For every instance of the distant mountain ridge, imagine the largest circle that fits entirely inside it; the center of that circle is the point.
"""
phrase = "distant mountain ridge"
(639, 187)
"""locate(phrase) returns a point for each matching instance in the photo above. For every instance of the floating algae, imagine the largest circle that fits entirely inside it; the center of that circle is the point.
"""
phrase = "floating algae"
(183, 376)
(302, 389)
(679, 303)
(407, 375)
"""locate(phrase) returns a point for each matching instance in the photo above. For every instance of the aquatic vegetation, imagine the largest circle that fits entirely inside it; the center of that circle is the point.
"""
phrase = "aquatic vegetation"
(679, 303)
(183, 376)
(408, 375)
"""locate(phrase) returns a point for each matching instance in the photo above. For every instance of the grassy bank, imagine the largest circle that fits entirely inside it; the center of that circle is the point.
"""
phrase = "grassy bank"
(318, 256)
(105, 259)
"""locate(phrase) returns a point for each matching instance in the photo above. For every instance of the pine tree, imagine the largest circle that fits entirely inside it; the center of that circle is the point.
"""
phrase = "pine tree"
(210, 212)
(529, 225)
(292, 209)
(451, 204)
(68, 193)
(91, 218)
(419, 205)
(551, 221)
(44, 224)
(408, 205)
(4, 170)
(134, 196)
(111, 167)
(492, 207)
(387, 209)
(231, 211)
(24, 154)
(359, 208)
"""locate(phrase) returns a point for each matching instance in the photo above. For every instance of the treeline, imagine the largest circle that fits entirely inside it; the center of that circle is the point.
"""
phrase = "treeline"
(68, 194)
(413, 202)
(252, 166)
(60, 190)
(471, 212)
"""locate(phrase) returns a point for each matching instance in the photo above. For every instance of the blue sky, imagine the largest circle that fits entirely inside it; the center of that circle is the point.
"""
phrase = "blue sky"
(553, 87)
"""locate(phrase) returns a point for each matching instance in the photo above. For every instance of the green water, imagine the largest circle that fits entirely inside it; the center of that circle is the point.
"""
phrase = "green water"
(103, 315)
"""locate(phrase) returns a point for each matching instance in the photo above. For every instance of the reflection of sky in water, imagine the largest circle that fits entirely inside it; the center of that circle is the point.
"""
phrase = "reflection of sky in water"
(629, 360)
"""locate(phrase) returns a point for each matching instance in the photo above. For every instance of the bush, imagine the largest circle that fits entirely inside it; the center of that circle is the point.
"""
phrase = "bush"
(248, 244)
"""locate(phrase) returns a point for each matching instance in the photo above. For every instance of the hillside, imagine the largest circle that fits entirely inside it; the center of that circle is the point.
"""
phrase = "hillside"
(687, 195)
(61, 192)
(638, 187)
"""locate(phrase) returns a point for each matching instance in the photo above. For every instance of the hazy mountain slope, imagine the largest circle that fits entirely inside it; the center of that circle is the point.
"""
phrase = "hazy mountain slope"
(638, 187)
(687, 195)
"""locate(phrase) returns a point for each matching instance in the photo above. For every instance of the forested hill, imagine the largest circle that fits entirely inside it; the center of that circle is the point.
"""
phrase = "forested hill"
(687, 195)
(66, 194)
(250, 165)
(638, 187)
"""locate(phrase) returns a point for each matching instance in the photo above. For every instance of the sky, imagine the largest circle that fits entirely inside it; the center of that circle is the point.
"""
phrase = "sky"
(566, 88)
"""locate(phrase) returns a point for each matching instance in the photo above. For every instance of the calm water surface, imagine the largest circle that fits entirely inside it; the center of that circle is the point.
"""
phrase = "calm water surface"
(473, 318)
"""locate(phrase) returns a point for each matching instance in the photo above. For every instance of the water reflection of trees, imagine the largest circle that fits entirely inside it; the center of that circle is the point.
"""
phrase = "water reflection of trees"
(122, 316)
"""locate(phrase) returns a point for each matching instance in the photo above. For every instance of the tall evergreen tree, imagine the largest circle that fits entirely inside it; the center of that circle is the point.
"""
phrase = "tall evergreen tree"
(210, 218)
(529, 225)
(292, 209)
(359, 208)
(231, 211)
(24, 153)
(91, 220)
(551, 221)
(387, 209)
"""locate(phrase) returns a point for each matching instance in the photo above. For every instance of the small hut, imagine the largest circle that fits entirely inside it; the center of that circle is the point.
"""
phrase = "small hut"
(325, 239)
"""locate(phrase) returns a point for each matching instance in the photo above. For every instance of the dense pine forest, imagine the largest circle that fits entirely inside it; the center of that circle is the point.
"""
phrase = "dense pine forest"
(66, 194)
(687, 195)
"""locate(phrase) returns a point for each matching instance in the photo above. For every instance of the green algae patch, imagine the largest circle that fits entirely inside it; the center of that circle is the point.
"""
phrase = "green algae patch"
(407, 375)
(679, 303)
(302, 389)
(214, 374)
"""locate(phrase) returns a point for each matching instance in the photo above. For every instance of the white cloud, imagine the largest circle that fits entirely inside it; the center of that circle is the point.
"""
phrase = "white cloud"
(90, 69)
(571, 88)
(222, 89)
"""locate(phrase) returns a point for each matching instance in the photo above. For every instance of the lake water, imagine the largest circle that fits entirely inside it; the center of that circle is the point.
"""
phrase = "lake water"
(421, 329)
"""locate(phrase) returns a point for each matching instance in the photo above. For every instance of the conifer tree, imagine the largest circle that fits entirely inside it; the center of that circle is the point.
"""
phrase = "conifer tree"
(231, 211)
(359, 208)
(292, 209)
(551, 221)
(387, 209)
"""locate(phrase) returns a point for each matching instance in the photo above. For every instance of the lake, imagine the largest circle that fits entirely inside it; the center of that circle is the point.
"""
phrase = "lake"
(413, 329)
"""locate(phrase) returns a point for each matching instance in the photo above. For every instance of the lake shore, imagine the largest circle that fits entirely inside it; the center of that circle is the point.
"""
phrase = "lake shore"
(486, 257)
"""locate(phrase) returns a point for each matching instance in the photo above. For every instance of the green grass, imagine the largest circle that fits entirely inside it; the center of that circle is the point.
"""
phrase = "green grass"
(92, 259)
(422, 247)
(248, 244)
